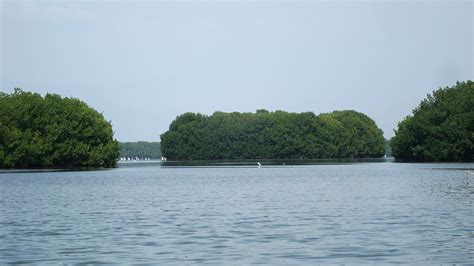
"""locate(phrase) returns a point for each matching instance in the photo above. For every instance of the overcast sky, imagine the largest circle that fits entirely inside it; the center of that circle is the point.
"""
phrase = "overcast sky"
(144, 63)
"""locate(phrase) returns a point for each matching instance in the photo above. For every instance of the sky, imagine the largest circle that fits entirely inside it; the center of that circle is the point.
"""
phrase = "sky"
(143, 63)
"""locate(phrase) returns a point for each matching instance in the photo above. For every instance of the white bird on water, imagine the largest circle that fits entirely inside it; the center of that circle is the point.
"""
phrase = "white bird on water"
(468, 172)
(259, 164)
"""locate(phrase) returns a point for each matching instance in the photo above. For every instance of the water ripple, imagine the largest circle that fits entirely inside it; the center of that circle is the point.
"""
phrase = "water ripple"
(358, 213)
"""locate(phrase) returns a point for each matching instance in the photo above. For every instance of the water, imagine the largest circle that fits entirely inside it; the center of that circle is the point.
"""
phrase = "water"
(359, 213)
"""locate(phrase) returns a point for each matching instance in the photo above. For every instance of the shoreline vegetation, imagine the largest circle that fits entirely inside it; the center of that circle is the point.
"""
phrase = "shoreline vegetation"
(140, 149)
(272, 135)
(53, 132)
(440, 129)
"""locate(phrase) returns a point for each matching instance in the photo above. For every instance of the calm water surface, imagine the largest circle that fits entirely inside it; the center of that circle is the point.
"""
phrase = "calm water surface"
(360, 213)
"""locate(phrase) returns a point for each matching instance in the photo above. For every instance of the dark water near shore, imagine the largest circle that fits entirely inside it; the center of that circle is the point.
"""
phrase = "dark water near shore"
(358, 212)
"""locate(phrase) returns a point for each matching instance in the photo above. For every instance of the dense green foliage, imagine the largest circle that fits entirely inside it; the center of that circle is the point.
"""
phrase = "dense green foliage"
(272, 135)
(141, 149)
(52, 131)
(440, 129)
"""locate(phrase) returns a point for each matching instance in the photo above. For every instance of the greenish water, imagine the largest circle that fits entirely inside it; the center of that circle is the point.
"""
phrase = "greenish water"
(351, 212)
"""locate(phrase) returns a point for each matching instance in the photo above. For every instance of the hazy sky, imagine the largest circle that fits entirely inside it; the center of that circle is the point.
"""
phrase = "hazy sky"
(144, 63)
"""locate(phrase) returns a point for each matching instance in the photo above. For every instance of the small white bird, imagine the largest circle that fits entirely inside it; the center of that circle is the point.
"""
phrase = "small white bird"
(259, 164)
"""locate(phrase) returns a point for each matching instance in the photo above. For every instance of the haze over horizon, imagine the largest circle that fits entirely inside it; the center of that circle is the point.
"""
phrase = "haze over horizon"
(143, 63)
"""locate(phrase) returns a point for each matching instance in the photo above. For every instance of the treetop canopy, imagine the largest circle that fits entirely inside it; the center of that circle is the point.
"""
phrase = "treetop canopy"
(53, 131)
(272, 135)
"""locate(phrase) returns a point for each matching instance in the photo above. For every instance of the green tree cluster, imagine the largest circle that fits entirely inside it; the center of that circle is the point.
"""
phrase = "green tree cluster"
(272, 135)
(141, 149)
(52, 131)
(441, 128)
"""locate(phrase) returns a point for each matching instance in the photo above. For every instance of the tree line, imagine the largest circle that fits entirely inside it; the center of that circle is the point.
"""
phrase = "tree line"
(140, 149)
(52, 131)
(441, 128)
(272, 135)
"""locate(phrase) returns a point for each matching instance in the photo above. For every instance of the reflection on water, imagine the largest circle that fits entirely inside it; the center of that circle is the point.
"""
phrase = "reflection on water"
(265, 162)
(288, 214)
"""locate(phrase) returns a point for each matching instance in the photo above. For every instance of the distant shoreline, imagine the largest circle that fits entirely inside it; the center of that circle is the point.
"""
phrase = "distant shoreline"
(49, 170)
(223, 164)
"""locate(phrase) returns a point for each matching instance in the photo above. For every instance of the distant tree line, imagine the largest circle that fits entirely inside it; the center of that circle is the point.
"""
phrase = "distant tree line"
(52, 131)
(272, 135)
(441, 128)
(141, 149)
(388, 148)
